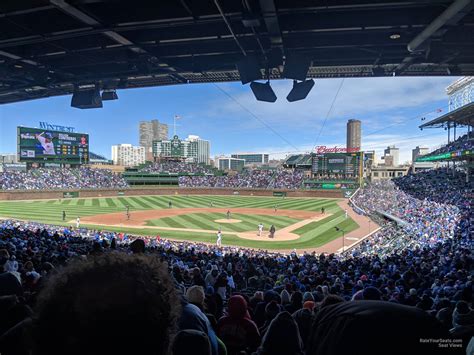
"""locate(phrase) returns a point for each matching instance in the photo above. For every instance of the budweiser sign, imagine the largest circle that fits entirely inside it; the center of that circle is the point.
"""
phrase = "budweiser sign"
(321, 149)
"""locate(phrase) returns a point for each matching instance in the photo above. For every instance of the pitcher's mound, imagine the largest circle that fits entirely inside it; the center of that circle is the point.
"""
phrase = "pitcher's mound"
(227, 220)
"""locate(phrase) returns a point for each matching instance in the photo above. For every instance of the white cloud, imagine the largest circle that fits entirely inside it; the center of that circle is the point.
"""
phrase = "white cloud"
(358, 98)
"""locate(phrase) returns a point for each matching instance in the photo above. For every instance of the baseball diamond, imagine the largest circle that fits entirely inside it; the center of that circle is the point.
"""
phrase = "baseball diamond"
(299, 222)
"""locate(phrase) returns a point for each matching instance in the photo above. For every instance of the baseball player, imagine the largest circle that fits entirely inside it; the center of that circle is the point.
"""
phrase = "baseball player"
(228, 214)
(128, 213)
(272, 231)
(64, 215)
(170, 204)
(46, 142)
(219, 239)
(345, 213)
(260, 229)
(78, 222)
(276, 207)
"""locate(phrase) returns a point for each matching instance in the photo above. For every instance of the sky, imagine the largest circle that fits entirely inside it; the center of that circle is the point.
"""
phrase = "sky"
(227, 114)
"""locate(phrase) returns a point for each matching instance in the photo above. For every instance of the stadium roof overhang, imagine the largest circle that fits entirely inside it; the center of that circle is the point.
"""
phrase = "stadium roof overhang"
(53, 47)
(463, 116)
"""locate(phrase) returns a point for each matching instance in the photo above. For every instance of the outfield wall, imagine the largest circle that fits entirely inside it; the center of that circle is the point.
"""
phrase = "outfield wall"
(57, 194)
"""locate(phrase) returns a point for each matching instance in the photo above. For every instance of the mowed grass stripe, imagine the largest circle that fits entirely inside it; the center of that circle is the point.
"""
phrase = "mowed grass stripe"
(151, 202)
(197, 201)
(110, 202)
(171, 222)
(316, 224)
(156, 201)
(193, 221)
(141, 202)
(45, 209)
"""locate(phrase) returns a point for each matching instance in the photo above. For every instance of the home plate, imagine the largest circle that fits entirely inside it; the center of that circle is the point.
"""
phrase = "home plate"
(227, 220)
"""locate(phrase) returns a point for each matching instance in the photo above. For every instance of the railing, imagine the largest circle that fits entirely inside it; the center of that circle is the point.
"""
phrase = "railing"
(354, 206)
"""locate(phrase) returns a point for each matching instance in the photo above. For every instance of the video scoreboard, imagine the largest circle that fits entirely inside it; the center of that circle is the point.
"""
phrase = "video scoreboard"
(327, 164)
(49, 146)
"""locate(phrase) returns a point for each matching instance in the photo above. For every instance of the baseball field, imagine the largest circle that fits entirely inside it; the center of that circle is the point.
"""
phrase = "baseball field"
(299, 222)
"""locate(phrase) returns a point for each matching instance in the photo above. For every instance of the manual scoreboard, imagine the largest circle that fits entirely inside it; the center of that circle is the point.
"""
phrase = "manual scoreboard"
(48, 146)
(336, 164)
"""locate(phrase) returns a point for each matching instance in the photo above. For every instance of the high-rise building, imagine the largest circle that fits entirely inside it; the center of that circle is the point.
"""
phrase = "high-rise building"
(150, 131)
(202, 149)
(394, 153)
(252, 158)
(128, 155)
(192, 149)
(418, 151)
(353, 134)
(10, 158)
(235, 164)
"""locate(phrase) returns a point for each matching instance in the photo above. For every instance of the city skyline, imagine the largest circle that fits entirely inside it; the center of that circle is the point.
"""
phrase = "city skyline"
(390, 110)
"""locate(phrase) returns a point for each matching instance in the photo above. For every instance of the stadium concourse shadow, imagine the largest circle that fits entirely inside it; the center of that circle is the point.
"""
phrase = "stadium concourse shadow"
(138, 191)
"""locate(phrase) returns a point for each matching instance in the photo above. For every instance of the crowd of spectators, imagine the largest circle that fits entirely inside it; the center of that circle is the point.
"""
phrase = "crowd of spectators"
(434, 205)
(263, 179)
(464, 142)
(176, 168)
(60, 178)
(287, 179)
(83, 290)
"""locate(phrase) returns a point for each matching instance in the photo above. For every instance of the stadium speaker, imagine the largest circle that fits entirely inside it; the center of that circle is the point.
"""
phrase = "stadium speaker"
(108, 95)
(300, 90)
(86, 99)
(249, 69)
(296, 67)
(263, 92)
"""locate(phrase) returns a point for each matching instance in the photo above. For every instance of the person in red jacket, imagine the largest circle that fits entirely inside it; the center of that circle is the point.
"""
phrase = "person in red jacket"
(237, 330)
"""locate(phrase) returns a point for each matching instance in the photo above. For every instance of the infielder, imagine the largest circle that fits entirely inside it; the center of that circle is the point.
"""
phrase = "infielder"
(260, 229)
(78, 222)
(228, 214)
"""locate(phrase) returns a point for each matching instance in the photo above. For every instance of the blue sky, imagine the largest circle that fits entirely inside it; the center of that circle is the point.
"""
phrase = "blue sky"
(390, 110)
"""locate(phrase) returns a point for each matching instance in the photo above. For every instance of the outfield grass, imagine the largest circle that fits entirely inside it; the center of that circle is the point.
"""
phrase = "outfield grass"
(312, 235)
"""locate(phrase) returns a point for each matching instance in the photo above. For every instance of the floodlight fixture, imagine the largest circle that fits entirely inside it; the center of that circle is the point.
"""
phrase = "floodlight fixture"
(300, 90)
(109, 94)
(89, 98)
(263, 91)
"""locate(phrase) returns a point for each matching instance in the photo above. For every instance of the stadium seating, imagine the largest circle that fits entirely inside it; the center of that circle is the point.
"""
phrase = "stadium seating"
(414, 279)
(465, 142)
(64, 178)
(263, 179)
